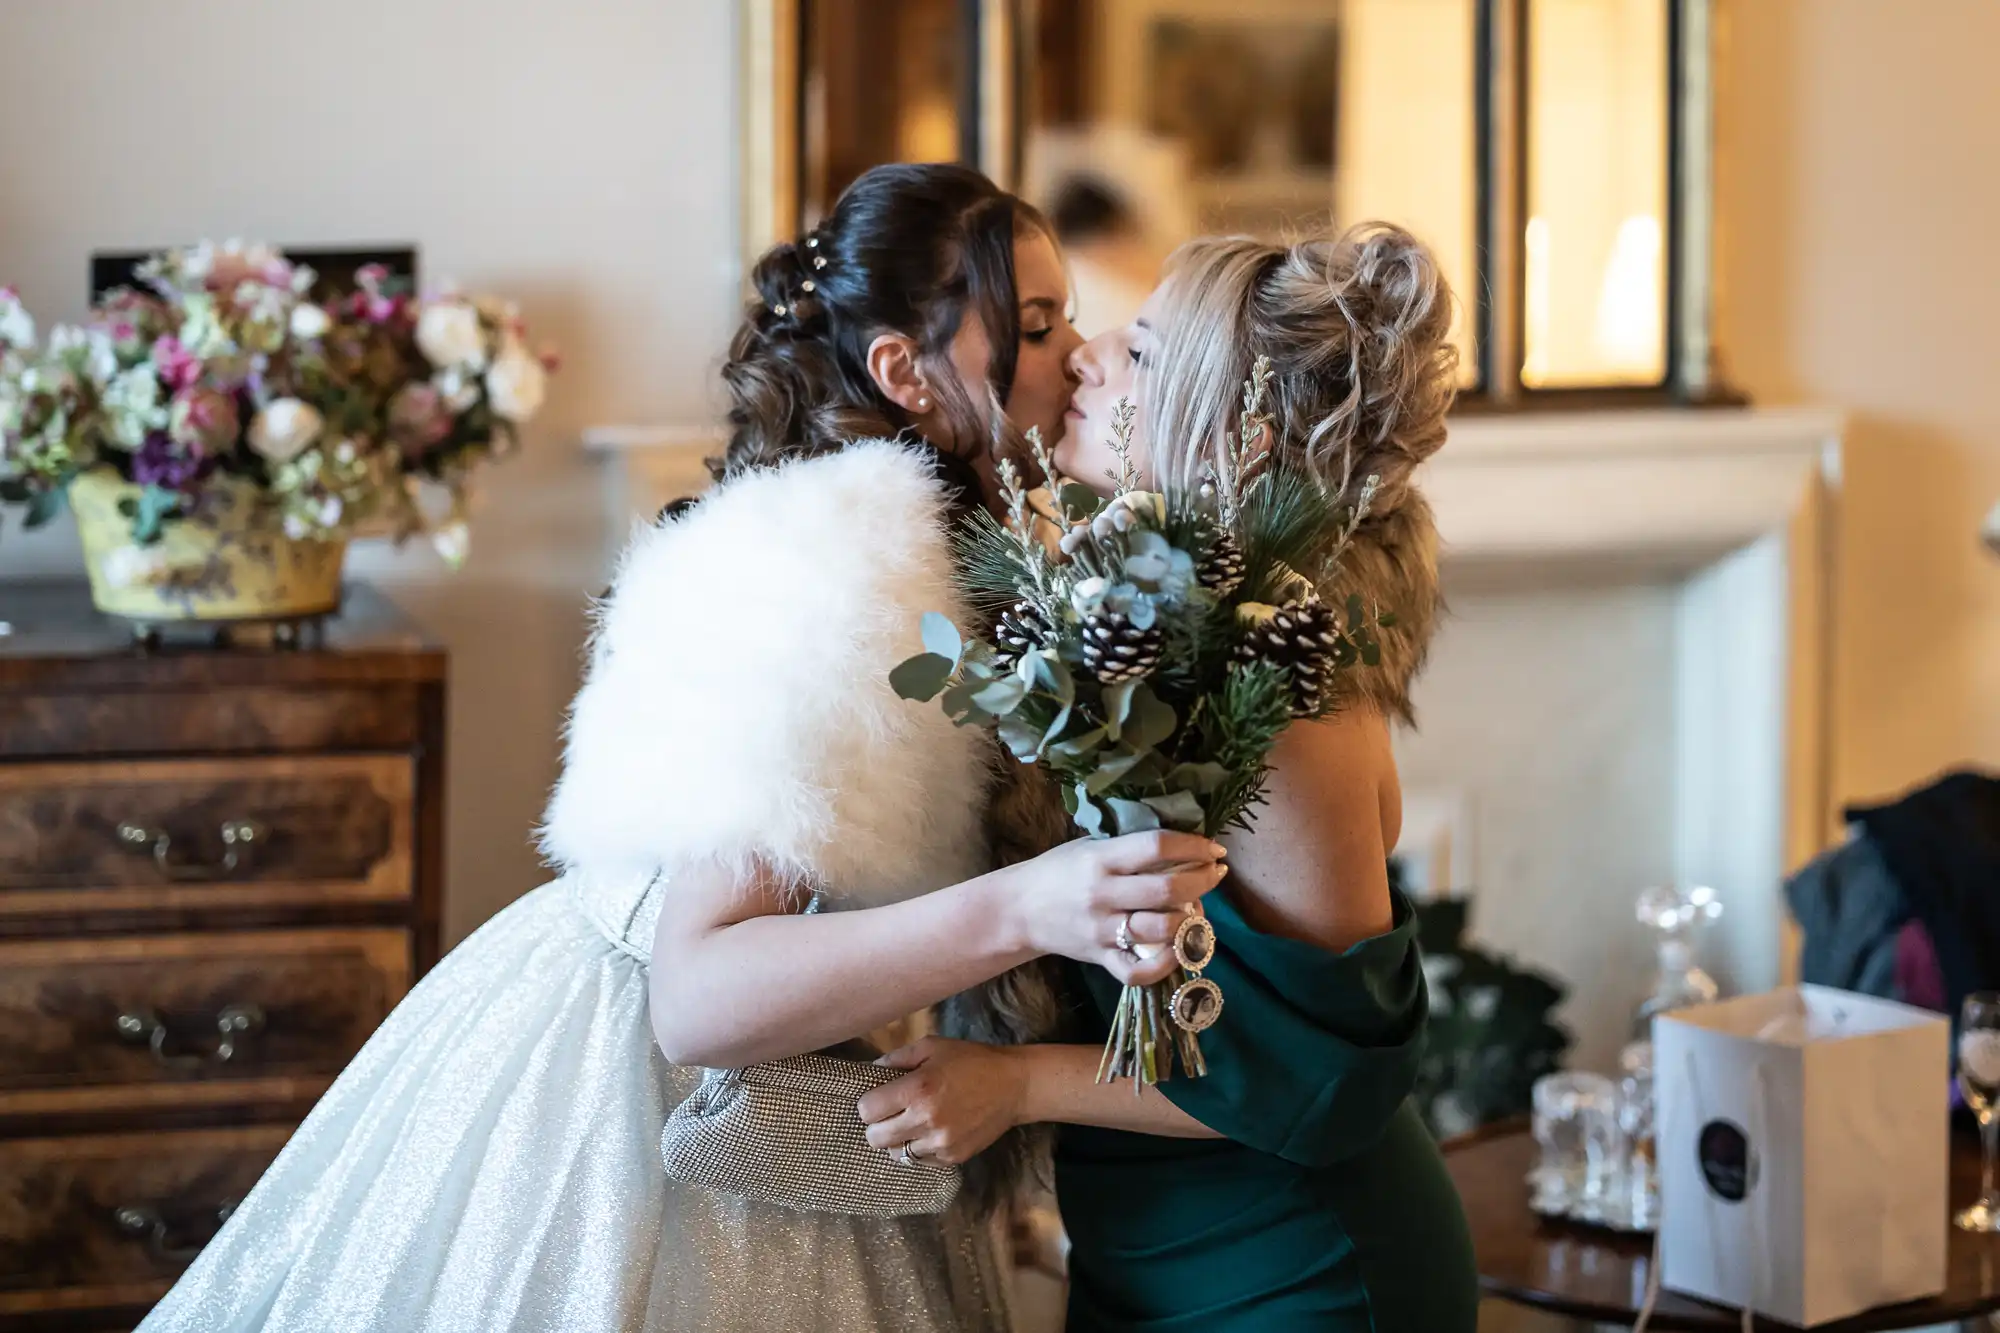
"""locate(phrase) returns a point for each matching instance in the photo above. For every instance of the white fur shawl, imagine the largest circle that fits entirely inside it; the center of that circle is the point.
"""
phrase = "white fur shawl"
(737, 704)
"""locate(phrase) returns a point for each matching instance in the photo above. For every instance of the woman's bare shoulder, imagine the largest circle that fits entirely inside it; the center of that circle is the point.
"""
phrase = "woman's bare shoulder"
(1315, 866)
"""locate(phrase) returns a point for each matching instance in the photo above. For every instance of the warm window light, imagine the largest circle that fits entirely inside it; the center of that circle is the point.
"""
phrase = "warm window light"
(1630, 323)
(1535, 302)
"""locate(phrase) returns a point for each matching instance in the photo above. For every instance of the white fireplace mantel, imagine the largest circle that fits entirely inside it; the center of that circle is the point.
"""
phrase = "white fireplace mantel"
(1675, 485)
(1678, 485)
(1732, 508)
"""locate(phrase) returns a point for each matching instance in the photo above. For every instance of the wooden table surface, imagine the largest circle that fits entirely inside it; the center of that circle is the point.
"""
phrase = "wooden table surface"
(1585, 1273)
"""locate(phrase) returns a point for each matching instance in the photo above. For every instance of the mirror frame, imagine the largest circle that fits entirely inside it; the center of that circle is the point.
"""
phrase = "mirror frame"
(771, 50)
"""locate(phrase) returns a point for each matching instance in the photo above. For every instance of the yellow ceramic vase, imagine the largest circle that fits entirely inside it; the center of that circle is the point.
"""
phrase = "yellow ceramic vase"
(229, 562)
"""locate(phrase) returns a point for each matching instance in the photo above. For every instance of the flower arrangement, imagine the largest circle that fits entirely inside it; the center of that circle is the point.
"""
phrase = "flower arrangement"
(222, 373)
(1149, 657)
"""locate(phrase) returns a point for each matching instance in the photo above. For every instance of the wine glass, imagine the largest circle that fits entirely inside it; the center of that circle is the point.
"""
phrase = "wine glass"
(1979, 1084)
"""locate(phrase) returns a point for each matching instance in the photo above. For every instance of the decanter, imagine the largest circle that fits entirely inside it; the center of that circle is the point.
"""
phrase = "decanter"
(1675, 916)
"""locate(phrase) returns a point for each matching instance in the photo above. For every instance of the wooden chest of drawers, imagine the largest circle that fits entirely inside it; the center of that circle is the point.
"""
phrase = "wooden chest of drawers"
(219, 870)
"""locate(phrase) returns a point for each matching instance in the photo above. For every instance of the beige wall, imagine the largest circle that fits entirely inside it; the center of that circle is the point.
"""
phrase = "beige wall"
(579, 157)
(1860, 266)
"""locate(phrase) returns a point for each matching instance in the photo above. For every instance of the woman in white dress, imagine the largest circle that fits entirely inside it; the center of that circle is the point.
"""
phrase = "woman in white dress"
(490, 1162)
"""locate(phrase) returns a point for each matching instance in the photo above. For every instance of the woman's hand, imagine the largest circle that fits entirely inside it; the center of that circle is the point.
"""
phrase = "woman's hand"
(958, 1097)
(1073, 900)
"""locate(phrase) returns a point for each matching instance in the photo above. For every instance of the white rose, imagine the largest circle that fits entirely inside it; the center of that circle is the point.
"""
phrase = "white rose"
(17, 326)
(448, 332)
(309, 321)
(133, 566)
(457, 391)
(517, 383)
(283, 430)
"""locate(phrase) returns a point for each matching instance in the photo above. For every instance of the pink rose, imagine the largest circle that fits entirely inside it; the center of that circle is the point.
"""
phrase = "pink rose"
(179, 368)
(205, 419)
(418, 419)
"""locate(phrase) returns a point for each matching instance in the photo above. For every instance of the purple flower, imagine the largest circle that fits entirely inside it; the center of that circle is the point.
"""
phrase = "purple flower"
(161, 462)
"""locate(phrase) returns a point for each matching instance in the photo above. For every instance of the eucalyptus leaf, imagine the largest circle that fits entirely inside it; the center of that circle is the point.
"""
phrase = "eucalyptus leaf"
(1353, 610)
(1076, 747)
(960, 706)
(1112, 769)
(942, 637)
(1079, 501)
(1387, 620)
(43, 506)
(1060, 682)
(1371, 653)
(1132, 816)
(1118, 706)
(1055, 727)
(1203, 778)
(1087, 815)
(921, 677)
(1022, 738)
(1026, 669)
(1178, 810)
(1001, 697)
(1152, 720)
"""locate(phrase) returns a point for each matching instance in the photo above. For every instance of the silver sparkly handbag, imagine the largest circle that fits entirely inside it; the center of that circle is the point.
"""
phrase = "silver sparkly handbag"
(787, 1133)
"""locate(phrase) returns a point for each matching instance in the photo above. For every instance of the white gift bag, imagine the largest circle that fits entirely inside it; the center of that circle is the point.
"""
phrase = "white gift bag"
(1803, 1151)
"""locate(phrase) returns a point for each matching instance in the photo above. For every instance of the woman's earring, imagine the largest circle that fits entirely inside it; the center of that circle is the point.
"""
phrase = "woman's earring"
(923, 404)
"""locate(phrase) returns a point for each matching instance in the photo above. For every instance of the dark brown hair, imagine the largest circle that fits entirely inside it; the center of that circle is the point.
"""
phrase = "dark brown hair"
(910, 249)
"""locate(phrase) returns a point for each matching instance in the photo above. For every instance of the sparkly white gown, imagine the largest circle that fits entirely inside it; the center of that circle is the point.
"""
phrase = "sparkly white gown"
(490, 1162)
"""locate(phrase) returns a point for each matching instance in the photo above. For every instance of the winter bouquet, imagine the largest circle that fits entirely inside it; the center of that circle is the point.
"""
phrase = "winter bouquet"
(1147, 652)
(221, 377)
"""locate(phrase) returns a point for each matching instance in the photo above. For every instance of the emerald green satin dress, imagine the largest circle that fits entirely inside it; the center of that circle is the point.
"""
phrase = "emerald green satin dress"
(1327, 1205)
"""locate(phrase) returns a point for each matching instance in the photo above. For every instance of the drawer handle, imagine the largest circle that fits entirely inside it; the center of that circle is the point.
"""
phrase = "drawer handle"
(239, 840)
(142, 1221)
(235, 1024)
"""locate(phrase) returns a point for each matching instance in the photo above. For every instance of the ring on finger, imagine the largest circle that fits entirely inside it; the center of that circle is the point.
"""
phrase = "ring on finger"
(903, 1156)
(1124, 937)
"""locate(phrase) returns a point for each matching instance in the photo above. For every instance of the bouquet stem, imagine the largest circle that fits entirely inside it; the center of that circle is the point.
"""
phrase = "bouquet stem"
(1145, 1041)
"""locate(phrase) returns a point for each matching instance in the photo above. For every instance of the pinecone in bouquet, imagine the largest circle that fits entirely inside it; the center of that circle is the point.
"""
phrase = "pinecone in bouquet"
(1116, 651)
(1022, 628)
(1222, 564)
(1301, 635)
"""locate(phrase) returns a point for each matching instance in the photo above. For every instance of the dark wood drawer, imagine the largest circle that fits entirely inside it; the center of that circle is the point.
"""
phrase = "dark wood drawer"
(195, 833)
(240, 720)
(111, 1220)
(187, 1021)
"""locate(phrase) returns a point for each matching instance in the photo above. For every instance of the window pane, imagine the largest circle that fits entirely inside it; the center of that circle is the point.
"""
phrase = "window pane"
(1272, 117)
(1408, 153)
(1595, 271)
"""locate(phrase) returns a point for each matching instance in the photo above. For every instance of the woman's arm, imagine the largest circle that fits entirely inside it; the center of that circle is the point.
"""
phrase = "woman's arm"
(960, 1096)
(1316, 868)
(738, 976)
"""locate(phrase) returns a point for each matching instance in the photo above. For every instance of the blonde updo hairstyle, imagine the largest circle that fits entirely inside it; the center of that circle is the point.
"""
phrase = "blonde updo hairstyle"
(1356, 329)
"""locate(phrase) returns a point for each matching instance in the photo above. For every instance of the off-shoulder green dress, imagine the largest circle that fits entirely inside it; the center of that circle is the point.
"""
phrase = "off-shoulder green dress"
(1326, 1206)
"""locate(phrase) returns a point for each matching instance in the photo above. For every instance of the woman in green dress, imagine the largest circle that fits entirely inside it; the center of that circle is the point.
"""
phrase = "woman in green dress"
(1294, 1187)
